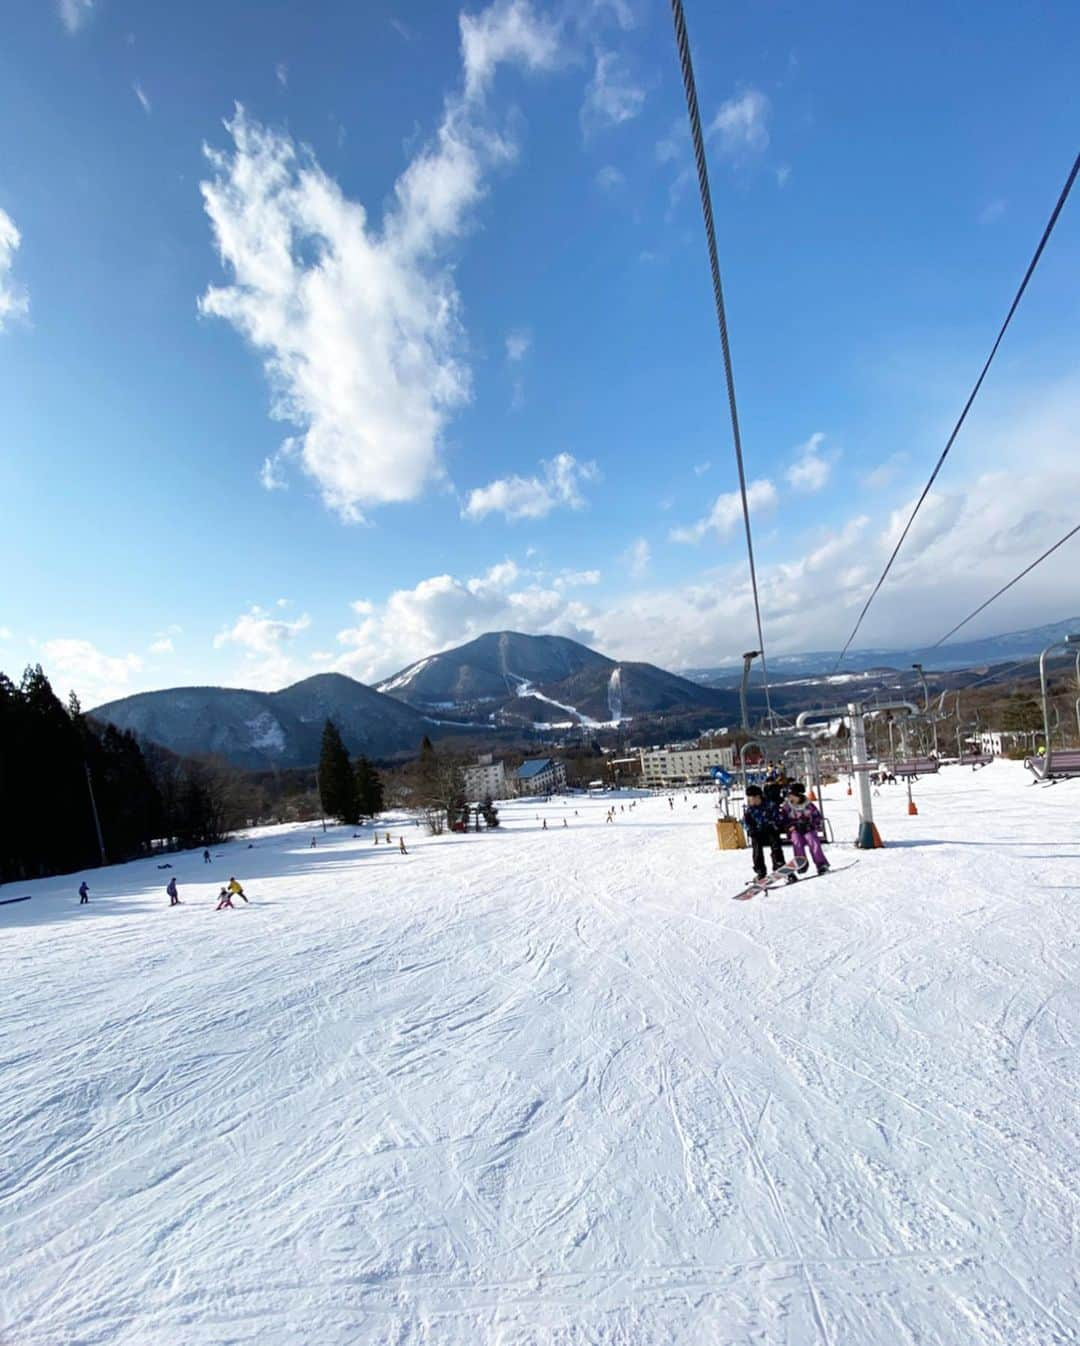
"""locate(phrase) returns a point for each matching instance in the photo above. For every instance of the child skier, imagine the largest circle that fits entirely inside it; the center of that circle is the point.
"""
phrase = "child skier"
(84, 894)
(803, 819)
(224, 900)
(174, 896)
(762, 822)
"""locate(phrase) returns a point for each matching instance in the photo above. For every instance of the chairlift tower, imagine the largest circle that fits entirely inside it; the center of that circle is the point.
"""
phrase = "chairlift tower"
(855, 714)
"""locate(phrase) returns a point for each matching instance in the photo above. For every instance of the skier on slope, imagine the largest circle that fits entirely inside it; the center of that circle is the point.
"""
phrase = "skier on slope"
(84, 894)
(401, 846)
(225, 900)
(206, 857)
(761, 818)
(803, 819)
(174, 896)
(235, 890)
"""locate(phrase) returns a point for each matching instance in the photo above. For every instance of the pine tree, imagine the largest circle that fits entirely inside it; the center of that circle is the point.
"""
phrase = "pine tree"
(337, 783)
(369, 788)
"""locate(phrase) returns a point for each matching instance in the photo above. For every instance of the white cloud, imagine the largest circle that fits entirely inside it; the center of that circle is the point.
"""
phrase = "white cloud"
(811, 469)
(444, 611)
(259, 633)
(576, 579)
(163, 645)
(612, 97)
(559, 484)
(783, 172)
(637, 557)
(885, 472)
(609, 178)
(360, 326)
(74, 13)
(270, 474)
(517, 345)
(5, 632)
(726, 512)
(990, 526)
(95, 677)
(264, 641)
(14, 302)
(621, 11)
(281, 74)
(507, 30)
(740, 124)
(141, 96)
(701, 468)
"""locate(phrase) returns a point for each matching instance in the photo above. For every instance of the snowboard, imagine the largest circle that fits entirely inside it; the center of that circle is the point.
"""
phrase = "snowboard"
(779, 876)
(772, 880)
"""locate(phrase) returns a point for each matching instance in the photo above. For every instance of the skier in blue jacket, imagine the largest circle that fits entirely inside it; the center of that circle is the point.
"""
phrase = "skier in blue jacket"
(761, 818)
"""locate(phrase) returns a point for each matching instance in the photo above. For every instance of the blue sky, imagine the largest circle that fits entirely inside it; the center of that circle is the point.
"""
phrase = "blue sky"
(334, 334)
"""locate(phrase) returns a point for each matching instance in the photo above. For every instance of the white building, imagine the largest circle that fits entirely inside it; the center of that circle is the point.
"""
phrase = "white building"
(540, 776)
(485, 780)
(996, 742)
(663, 767)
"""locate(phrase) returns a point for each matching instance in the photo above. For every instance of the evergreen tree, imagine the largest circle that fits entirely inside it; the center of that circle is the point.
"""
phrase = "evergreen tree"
(369, 788)
(337, 783)
(1022, 714)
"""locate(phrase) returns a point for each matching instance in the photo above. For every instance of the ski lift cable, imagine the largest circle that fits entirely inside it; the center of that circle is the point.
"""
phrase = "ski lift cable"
(683, 43)
(967, 405)
(1015, 580)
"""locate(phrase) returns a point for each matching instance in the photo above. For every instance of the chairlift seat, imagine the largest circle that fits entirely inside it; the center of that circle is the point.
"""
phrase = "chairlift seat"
(918, 766)
(1063, 764)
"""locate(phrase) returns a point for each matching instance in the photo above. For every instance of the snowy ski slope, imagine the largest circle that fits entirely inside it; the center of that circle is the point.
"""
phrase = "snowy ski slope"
(539, 1087)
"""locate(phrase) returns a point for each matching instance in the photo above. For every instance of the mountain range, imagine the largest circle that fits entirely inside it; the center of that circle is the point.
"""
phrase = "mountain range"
(504, 681)
(511, 679)
(269, 729)
(511, 684)
(964, 654)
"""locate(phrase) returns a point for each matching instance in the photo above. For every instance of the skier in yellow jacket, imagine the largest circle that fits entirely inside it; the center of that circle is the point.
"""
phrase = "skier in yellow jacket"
(235, 890)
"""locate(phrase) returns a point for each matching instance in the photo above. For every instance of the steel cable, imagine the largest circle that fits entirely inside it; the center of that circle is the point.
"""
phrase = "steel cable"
(967, 405)
(683, 43)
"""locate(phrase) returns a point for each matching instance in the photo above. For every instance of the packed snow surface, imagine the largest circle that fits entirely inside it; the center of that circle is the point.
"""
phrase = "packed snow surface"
(539, 1087)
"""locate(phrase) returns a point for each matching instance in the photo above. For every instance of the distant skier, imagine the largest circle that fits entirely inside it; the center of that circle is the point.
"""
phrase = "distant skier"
(84, 894)
(762, 822)
(803, 820)
(312, 843)
(235, 890)
(565, 823)
(225, 900)
(543, 825)
(206, 857)
(401, 845)
(174, 896)
(389, 842)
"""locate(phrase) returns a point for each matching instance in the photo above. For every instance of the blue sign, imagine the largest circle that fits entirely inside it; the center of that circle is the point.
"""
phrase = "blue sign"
(721, 776)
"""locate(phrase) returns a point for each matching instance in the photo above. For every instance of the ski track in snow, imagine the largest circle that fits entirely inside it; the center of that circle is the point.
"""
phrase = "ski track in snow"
(548, 1088)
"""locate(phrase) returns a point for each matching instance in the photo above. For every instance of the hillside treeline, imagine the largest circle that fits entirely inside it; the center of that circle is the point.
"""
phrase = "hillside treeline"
(56, 765)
